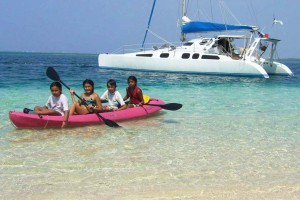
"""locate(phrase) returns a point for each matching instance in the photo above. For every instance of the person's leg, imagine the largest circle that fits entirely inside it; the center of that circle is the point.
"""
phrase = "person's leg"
(72, 109)
(45, 111)
(38, 108)
(80, 109)
(130, 105)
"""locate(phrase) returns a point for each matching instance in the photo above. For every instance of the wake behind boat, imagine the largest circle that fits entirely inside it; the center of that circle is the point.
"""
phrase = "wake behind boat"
(218, 55)
(23, 120)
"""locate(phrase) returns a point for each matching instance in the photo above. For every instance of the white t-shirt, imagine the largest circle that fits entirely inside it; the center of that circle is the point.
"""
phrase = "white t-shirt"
(59, 104)
(114, 99)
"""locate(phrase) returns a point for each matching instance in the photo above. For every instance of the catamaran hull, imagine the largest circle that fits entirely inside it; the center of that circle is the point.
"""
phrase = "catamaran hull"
(226, 66)
(276, 68)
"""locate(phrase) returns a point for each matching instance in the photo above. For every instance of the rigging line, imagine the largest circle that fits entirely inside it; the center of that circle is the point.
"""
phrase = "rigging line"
(211, 12)
(160, 37)
(201, 13)
(253, 11)
(149, 23)
(198, 10)
(205, 15)
(229, 11)
(223, 14)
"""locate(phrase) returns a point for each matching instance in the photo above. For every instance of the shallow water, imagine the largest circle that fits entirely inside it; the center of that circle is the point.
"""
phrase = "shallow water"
(234, 138)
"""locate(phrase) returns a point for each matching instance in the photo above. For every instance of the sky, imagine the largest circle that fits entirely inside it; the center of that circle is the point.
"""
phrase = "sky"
(102, 26)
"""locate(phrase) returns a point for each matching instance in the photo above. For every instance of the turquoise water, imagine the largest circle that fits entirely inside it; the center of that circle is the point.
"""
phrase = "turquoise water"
(234, 138)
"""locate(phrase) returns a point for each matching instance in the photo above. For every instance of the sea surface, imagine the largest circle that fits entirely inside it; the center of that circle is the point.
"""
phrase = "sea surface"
(234, 138)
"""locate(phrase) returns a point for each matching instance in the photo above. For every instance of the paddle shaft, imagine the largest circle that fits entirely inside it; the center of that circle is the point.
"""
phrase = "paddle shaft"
(168, 106)
(69, 88)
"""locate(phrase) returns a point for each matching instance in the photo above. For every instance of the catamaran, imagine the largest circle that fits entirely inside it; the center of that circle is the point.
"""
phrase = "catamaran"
(218, 55)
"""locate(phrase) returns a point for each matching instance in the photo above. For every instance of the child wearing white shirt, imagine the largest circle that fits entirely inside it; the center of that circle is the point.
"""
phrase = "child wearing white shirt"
(57, 104)
(113, 97)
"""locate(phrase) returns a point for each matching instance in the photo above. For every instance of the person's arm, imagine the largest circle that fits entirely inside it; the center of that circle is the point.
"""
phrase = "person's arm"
(140, 96)
(126, 97)
(66, 117)
(48, 104)
(72, 95)
(122, 107)
(120, 101)
(99, 107)
(65, 104)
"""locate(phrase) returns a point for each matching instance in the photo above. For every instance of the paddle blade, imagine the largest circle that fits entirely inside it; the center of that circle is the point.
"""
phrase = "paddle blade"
(108, 122)
(172, 106)
(52, 74)
(111, 123)
(168, 106)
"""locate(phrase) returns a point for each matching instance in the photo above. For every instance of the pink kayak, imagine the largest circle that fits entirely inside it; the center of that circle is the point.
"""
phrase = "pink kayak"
(23, 120)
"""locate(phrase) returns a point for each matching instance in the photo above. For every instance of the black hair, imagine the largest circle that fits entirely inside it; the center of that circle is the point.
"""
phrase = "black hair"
(88, 81)
(132, 78)
(111, 82)
(57, 84)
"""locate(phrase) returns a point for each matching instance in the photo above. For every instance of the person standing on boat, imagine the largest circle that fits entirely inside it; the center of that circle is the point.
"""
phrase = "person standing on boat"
(57, 104)
(113, 97)
(91, 99)
(134, 93)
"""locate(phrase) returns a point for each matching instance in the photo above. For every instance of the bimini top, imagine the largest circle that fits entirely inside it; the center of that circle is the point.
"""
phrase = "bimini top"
(197, 26)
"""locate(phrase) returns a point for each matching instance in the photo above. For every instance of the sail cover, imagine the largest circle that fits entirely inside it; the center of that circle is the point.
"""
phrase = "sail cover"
(194, 27)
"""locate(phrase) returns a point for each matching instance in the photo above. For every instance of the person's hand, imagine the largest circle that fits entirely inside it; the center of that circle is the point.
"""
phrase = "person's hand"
(72, 92)
(90, 108)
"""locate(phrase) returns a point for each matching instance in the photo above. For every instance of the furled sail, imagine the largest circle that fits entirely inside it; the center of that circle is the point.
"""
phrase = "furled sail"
(197, 26)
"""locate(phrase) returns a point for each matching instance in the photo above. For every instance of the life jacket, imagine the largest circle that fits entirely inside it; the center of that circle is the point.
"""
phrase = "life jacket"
(134, 98)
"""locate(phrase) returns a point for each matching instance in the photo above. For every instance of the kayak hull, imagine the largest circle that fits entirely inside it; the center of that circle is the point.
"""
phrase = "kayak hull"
(23, 120)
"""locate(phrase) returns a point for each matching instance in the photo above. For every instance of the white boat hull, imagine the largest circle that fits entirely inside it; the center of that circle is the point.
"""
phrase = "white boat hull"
(276, 68)
(223, 66)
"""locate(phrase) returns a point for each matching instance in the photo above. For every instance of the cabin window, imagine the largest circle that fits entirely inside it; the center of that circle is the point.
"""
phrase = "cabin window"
(209, 42)
(185, 56)
(204, 41)
(195, 56)
(164, 55)
(145, 55)
(188, 44)
(210, 57)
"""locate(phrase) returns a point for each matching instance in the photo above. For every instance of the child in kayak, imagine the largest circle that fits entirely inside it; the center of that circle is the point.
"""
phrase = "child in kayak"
(92, 100)
(113, 97)
(57, 104)
(134, 93)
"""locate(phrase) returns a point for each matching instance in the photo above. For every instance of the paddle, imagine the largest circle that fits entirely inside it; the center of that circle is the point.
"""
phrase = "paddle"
(168, 106)
(52, 74)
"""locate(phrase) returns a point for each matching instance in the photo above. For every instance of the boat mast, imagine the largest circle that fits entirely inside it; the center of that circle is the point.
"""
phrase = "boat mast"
(182, 38)
(153, 5)
(183, 8)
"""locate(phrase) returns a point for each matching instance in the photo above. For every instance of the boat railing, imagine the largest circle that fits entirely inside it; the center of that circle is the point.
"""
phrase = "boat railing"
(147, 46)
